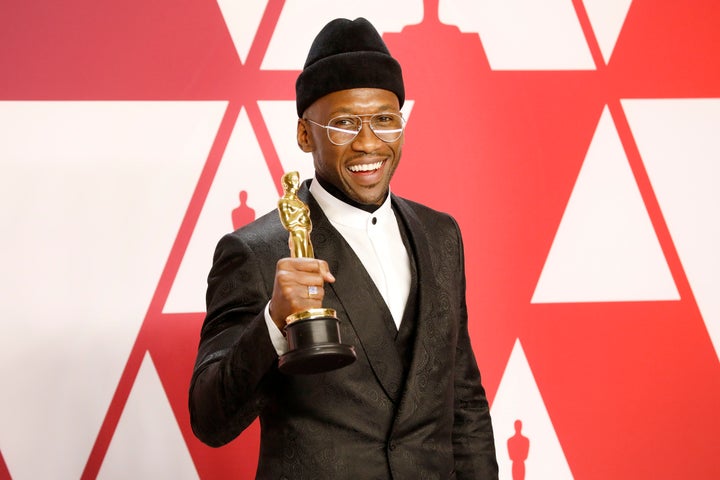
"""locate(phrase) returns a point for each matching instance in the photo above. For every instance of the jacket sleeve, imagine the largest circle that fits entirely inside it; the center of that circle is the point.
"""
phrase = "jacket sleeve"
(235, 354)
(473, 440)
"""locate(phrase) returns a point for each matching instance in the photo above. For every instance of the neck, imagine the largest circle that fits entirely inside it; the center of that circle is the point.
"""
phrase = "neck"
(340, 195)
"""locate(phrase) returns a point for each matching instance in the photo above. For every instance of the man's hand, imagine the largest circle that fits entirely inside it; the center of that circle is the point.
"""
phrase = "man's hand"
(291, 294)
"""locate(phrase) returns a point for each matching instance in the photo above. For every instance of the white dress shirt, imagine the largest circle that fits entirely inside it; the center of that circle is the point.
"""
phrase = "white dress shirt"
(375, 238)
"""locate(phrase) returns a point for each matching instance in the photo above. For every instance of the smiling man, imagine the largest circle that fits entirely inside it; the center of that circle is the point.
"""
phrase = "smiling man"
(412, 405)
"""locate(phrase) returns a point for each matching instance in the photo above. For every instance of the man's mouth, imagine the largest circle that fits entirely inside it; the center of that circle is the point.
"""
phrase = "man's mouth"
(365, 167)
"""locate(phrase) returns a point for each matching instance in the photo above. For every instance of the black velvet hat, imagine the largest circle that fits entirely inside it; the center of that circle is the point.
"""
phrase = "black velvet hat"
(347, 54)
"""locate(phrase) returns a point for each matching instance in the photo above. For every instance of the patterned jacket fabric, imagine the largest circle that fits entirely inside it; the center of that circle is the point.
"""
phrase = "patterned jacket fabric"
(378, 418)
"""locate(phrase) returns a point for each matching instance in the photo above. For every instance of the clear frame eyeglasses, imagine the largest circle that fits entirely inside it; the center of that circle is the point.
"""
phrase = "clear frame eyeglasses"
(343, 129)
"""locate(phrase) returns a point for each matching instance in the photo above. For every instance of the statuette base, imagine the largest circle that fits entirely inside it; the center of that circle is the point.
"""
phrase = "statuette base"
(314, 344)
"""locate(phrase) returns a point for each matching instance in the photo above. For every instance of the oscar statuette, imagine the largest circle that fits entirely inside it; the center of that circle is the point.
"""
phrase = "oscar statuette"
(313, 335)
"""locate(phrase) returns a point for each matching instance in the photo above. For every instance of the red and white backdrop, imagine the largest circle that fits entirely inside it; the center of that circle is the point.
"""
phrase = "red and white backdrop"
(577, 142)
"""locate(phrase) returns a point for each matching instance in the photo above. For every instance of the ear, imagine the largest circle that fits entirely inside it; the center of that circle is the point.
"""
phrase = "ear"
(304, 139)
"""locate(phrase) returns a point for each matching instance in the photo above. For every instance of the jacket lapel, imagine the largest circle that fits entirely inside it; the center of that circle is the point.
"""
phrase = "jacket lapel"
(429, 312)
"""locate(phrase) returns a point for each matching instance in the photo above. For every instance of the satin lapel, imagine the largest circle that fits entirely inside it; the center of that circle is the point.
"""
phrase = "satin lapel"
(427, 344)
(355, 296)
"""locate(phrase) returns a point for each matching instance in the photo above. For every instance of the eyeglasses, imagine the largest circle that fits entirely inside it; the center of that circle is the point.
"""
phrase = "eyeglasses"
(342, 130)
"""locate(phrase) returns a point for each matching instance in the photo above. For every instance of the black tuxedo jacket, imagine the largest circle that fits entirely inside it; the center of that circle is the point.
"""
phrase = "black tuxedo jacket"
(373, 419)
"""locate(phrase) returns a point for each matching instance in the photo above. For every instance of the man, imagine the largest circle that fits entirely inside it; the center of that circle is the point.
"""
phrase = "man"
(412, 405)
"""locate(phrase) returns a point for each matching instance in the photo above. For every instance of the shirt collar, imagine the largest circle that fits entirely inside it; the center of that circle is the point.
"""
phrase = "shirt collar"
(339, 212)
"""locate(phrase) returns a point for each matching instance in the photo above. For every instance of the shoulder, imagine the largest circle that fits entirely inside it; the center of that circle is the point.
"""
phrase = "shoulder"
(263, 235)
(261, 227)
(427, 216)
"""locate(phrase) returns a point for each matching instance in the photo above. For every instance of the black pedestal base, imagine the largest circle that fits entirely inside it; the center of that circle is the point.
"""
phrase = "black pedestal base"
(314, 344)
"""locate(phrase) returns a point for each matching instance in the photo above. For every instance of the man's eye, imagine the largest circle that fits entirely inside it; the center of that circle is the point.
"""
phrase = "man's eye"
(345, 122)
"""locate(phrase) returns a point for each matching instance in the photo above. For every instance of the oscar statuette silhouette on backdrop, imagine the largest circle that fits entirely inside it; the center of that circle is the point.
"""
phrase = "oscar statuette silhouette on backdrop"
(313, 335)
(518, 447)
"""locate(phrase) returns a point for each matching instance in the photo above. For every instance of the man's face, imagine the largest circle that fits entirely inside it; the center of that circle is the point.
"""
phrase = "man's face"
(362, 169)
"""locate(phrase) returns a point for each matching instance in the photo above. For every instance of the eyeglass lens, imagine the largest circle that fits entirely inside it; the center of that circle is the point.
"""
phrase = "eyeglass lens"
(387, 126)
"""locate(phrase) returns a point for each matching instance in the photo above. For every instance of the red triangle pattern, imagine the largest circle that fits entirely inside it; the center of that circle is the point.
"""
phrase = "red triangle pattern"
(632, 388)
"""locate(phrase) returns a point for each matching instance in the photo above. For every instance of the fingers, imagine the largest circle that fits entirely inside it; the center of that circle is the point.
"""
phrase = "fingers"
(312, 267)
(298, 286)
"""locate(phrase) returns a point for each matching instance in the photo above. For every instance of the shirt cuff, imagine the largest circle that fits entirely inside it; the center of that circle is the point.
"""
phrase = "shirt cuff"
(276, 337)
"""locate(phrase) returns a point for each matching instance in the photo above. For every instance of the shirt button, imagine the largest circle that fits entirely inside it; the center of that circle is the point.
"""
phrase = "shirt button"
(392, 445)
(374, 220)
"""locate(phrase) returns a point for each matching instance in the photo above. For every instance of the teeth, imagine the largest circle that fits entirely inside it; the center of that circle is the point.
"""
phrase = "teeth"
(368, 167)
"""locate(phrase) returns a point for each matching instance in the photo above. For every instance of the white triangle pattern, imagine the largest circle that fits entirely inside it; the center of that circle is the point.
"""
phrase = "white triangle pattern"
(680, 147)
(242, 168)
(147, 443)
(518, 398)
(605, 248)
(607, 19)
(290, 45)
(242, 20)
(524, 34)
(84, 243)
(281, 120)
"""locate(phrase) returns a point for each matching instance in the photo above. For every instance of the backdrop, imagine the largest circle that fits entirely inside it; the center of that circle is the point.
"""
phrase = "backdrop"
(577, 143)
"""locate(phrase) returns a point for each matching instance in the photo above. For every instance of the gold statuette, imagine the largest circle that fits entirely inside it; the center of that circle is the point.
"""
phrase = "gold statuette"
(313, 335)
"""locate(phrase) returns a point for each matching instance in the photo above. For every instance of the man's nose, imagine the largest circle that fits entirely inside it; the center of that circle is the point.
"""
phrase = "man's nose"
(365, 137)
